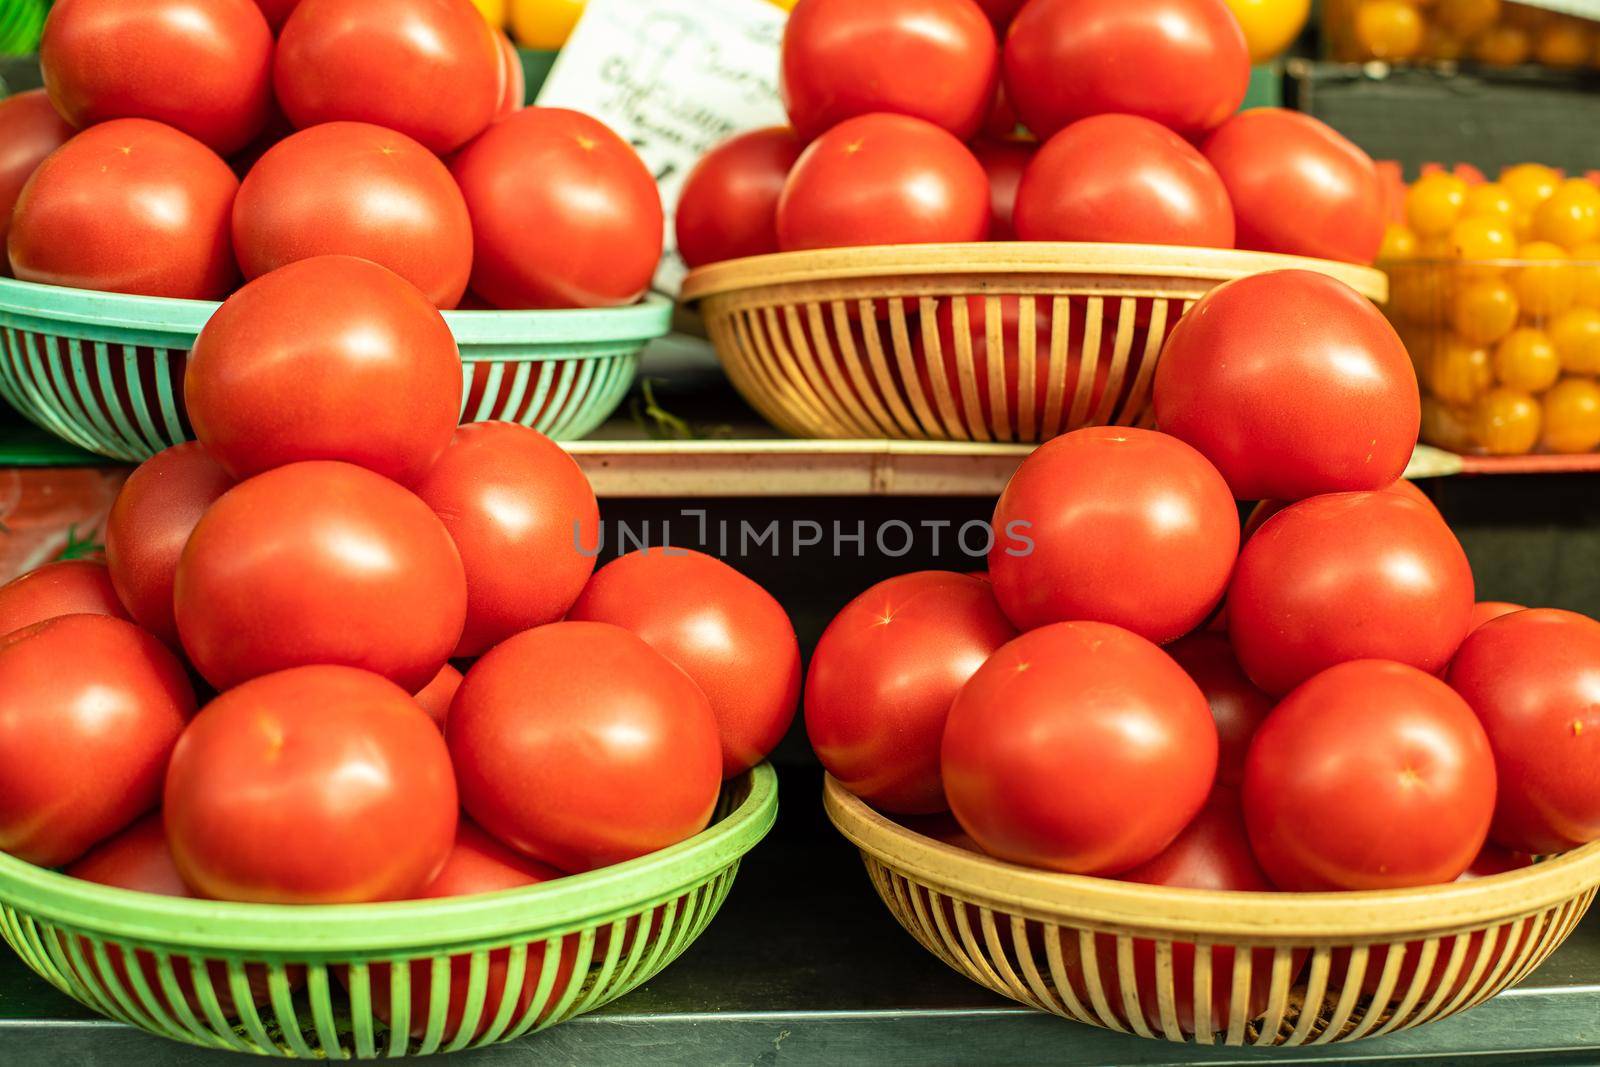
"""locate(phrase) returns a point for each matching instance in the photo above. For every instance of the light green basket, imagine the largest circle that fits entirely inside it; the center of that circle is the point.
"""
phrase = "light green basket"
(618, 927)
(104, 371)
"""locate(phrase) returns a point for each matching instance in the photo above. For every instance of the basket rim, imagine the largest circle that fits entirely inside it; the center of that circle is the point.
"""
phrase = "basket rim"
(650, 318)
(1070, 899)
(1013, 257)
(284, 931)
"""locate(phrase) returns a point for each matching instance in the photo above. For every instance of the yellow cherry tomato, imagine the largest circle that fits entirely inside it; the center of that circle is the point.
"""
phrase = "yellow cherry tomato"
(1398, 243)
(1506, 422)
(1483, 311)
(1457, 371)
(1566, 43)
(1467, 18)
(544, 24)
(1270, 26)
(1586, 275)
(1575, 333)
(1441, 44)
(1388, 29)
(1525, 359)
(1571, 416)
(1417, 292)
(1546, 285)
(1482, 238)
(494, 11)
(787, 5)
(1446, 426)
(1434, 204)
(1529, 184)
(1502, 46)
(1571, 216)
(1490, 200)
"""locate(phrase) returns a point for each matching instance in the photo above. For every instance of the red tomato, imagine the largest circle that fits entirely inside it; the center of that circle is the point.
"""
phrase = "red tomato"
(317, 785)
(430, 69)
(129, 206)
(1236, 704)
(65, 587)
(1485, 610)
(931, 59)
(139, 859)
(1371, 775)
(1118, 525)
(435, 697)
(725, 632)
(1262, 376)
(1004, 161)
(331, 357)
(349, 188)
(1298, 186)
(1126, 180)
(30, 130)
(149, 524)
(277, 11)
(319, 563)
(514, 83)
(509, 495)
(1182, 63)
(1533, 677)
(580, 745)
(1078, 747)
(882, 679)
(729, 204)
(1265, 509)
(478, 864)
(93, 706)
(564, 213)
(1348, 576)
(880, 180)
(202, 66)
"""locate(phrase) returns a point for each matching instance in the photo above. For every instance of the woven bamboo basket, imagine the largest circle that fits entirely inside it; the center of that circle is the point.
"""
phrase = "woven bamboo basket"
(894, 341)
(1209, 967)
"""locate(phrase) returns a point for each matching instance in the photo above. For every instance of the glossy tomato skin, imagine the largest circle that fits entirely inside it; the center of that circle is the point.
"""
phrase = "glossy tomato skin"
(319, 563)
(1126, 180)
(883, 179)
(1371, 775)
(1298, 186)
(1182, 63)
(729, 204)
(94, 706)
(328, 358)
(1237, 705)
(932, 59)
(1040, 761)
(354, 189)
(1004, 161)
(525, 521)
(252, 808)
(201, 66)
(65, 587)
(150, 522)
(581, 746)
(1262, 373)
(477, 864)
(1533, 677)
(724, 631)
(564, 213)
(128, 206)
(1486, 610)
(882, 678)
(430, 69)
(435, 697)
(514, 84)
(1265, 509)
(30, 129)
(1348, 576)
(1127, 526)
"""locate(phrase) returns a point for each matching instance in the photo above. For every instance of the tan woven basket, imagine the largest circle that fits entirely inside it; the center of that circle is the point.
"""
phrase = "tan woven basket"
(1272, 968)
(877, 342)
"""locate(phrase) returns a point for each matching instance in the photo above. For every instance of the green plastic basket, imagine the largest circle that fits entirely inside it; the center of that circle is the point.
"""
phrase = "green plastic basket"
(104, 371)
(591, 937)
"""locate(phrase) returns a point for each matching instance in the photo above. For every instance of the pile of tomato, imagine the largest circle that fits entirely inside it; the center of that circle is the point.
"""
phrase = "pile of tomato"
(916, 121)
(1138, 689)
(181, 146)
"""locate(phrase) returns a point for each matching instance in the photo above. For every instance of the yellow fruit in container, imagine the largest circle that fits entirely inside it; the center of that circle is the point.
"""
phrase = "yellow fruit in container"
(494, 11)
(1586, 275)
(1457, 371)
(1467, 18)
(1529, 184)
(1398, 243)
(1417, 292)
(1270, 26)
(1506, 422)
(1571, 416)
(1490, 200)
(1441, 44)
(1482, 238)
(544, 24)
(1502, 46)
(1483, 311)
(1576, 336)
(1434, 204)
(1446, 425)
(1388, 29)
(1564, 44)
(1525, 359)
(1571, 216)
(1547, 284)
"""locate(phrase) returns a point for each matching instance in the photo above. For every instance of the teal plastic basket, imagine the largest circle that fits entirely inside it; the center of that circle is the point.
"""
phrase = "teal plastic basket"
(104, 371)
(370, 980)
